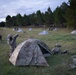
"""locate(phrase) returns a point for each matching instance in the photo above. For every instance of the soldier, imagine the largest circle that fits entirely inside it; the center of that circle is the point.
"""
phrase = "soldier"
(56, 49)
(12, 42)
(1, 37)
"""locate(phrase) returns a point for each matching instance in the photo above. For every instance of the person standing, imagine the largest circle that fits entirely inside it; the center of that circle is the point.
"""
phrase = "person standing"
(1, 37)
(12, 42)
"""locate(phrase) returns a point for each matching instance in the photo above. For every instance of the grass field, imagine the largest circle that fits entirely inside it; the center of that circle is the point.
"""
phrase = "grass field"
(58, 64)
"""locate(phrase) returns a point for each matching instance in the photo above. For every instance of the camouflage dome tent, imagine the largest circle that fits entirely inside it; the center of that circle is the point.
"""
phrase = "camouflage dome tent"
(30, 52)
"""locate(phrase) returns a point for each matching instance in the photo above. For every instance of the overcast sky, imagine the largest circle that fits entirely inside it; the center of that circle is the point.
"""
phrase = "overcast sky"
(13, 7)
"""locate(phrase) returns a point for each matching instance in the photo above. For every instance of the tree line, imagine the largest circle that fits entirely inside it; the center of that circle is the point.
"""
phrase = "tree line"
(62, 16)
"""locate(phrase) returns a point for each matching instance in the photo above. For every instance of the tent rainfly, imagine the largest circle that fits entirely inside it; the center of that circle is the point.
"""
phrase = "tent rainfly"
(30, 52)
(43, 32)
(73, 32)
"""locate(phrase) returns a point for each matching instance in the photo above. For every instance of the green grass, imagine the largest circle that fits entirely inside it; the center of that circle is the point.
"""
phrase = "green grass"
(58, 64)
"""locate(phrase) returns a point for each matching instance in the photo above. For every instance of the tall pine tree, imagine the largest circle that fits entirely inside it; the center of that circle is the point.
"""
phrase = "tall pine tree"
(71, 15)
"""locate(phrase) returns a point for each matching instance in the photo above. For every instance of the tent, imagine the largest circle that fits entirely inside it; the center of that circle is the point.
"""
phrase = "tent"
(73, 32)
(55, 29)
(30, 52)
(19, 30)
(30, 29)
(43, 32)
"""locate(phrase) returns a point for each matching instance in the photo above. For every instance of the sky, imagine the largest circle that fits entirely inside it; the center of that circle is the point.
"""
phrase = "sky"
(13, 7)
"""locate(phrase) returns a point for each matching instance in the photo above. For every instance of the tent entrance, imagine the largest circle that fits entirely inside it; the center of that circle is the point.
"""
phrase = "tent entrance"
(44, 51)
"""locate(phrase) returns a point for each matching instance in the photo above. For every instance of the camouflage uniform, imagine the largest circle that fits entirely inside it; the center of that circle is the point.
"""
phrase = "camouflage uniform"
(56, 49)
(12, 42)
(1, 37)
